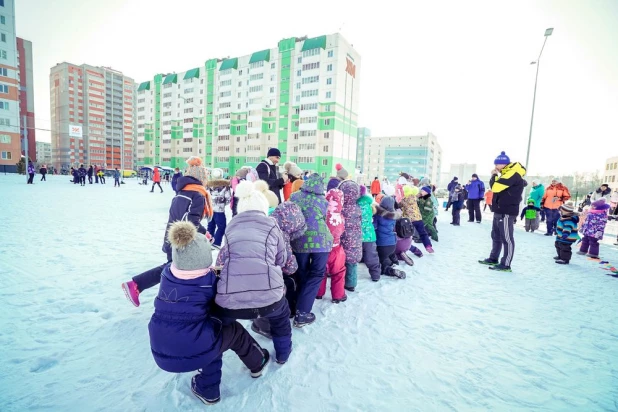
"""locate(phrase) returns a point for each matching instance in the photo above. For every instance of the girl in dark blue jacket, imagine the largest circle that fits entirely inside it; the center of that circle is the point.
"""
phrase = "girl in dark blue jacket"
(386, 239)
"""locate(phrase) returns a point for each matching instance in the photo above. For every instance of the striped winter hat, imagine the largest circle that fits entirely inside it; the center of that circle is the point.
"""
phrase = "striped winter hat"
(197, 170)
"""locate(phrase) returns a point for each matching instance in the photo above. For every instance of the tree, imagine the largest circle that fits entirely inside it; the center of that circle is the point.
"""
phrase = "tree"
(585, 183)
(21, 166)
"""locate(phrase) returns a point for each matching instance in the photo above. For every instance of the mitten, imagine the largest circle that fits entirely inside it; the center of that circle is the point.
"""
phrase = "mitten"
(598, 235)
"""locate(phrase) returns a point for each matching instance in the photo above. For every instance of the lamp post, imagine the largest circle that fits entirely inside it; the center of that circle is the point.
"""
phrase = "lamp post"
(548, 33)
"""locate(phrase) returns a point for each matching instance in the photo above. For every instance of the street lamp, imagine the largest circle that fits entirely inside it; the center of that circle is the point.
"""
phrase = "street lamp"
(548, 33)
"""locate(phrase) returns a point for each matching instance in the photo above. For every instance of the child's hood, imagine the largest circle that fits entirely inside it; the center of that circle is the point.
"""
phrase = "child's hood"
(387, 214)
(290, 219)
(365, 201)
(351, 191)
(212, 184)
(314, 184)
(388, 203)
(335, 199)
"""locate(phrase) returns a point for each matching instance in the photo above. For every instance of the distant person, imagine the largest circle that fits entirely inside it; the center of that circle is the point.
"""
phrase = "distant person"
(156, 179)
(476, 192)
(82, 175)
(555, 196)
(96, 175)
(101, 177)
(90, 172)
(536, 194)
(507, 183)
(531, 214)
(457, 201)
(376, 188)
(603, 192)
(116, 177)
(488, 199)
(566, 233)
(451, 190)
(31, 172)
(43, 172)
(267, 171)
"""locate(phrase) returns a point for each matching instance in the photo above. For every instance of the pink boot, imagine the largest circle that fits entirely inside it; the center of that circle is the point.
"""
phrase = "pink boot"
(131, 292)
(429, 249)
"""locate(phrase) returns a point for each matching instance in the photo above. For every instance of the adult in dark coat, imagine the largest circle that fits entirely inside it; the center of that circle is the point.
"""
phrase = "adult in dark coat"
(43, 172)
(451, 189)
(476, 193)
(90, 172)
(267, 171)
(82, 175)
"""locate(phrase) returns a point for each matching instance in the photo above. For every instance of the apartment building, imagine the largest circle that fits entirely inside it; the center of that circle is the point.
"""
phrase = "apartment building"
(26, 92)
(43, 153)
(91, 116)
(301, 97)
(610, 172)
(463, 171)
(386, 156)
(362, 135)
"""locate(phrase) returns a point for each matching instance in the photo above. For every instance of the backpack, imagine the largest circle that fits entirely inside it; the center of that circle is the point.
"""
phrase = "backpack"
(404, 228)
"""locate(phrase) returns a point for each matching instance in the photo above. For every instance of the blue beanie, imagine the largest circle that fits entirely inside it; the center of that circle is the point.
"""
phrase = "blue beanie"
(426, 189)
(273, 152)
(502, 159)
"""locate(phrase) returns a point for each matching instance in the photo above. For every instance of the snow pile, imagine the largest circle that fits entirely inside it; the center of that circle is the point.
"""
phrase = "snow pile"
(453, 335)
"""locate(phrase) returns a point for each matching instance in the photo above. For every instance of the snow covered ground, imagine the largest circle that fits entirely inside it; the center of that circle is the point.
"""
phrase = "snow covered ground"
(452, 336)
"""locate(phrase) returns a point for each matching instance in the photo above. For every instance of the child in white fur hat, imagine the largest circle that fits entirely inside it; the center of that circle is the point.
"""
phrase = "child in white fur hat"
(221, 194)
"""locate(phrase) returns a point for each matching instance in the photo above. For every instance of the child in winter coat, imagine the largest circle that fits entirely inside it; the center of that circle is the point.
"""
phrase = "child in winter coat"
(425, 204)
(251, 279)
(386, 239)
(221, 194)
(192, 203)
(292, 223)
(295, 180)
(457, 200)
(336, 265)
(242, 174)
(352, 238)
(370, 253)
(177, 175)
(409, 207)
(313, 248)
(566, 233)
(184, 337)
(531, 214)
(594, 228)
(272, 199)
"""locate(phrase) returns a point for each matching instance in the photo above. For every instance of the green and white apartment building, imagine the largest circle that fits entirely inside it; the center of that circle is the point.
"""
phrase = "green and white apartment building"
(301, 97)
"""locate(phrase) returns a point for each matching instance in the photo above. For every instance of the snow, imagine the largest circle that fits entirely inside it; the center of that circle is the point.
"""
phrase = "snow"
(452, 336)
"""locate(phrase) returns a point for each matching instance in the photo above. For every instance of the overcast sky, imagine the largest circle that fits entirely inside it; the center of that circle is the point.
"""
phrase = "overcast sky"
(458, 69)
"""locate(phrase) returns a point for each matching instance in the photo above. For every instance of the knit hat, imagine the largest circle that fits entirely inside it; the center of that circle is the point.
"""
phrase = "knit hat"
(402, 180)
(426, 189)
(363, 190)
(425, 181)
(388, 203)
(410, 191)
(190, 250)
(475, 175)
(455, 178)
(568, 207)
(292, 169)
(216, 173)
(379, 197)
(531, 200)
(249, 198)
(502, 159)
(389, 190)
(341, 172)
(196, 169)
(333, 183)
(600, 204)
(262, 187)
(273, 152)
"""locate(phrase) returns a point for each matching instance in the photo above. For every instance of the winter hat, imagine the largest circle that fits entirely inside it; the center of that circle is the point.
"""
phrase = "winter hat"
(502, 159)
(335, 197)
(475, 175)
(273, 152)
(196, 169)
(190, 250)
(568, 207)
(249, 198)
(425, 181)
(363, 190)
(333, 183)
(292, 169)
(388, 203)
(389, 190)
(410, 191)
(600, 204)
(216, 173)
(341, 172)
(426, 189)
(405, 175)
(379, 197)
(262, 187)
(530, 201)
(402, 180)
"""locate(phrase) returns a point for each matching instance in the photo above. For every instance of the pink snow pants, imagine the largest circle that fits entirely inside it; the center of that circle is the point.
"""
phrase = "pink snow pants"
(335, 268)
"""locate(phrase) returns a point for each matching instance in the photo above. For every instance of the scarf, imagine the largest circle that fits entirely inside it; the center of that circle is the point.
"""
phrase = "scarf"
(208, 212)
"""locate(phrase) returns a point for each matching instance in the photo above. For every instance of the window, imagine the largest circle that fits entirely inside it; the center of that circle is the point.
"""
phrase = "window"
(272, 65)
(254, 89)
(329, 68)
(327, 135)
(3, 37)
(258, 76)
(226, 83)
(307, 133)
(5, 138)
(257, 64)
(325, 150)
(3, 72)
(328, 95)
(167, 86)
(6, 155)
(167, 113)
(312, 79)
(3, 54)
(298, 73)
(189, 110)
(225, 94)
(327, 107)
(311, 119)
(4, 88)
(306, 146)
(312, 52)
(4, 105)
(188, 130)
(330, 54)
(311, 66)
(2, 20)
(5, 122)
(225, 105)
(326, 122)
(309, 93)
(325, 161)
(189, 90)
(305, 159)
(329, 80)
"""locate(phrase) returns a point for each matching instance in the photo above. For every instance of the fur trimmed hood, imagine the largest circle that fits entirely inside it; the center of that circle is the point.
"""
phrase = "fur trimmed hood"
(387, 214)
(218, 183)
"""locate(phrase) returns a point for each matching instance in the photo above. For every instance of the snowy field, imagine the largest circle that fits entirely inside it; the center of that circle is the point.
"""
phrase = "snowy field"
(452, 336)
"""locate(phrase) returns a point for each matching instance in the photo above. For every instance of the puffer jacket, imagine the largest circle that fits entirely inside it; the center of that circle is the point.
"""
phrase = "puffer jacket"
(567, 225)
(369, 232)
(252, 258)
(352, 238)
(476, 189)
(595, 223)
(334, 219)
(410, 209)
(220, 193)
(560, 192)
(310, 198)
(183, 335)
(292, 223)
(537, 193)
(425, 206)
(384, 222)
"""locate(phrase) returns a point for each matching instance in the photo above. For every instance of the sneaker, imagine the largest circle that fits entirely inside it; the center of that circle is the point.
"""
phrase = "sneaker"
(500, 268)
(579, 252)
(489, 262)
(429, 249)
(419, 254)
(351, 289)
(303, 319)
(256, 373)
(131, 292)
(258, 326)
(200, 396)
(406, 258)
(562, 262)
(343, 299)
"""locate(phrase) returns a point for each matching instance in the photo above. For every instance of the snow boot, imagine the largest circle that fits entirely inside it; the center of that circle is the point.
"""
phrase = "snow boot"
(131, 292)
(556, 257)
(200, 396)
(352, 289)
(396, 273)
(261, 326)
(256, 373)
(579, 252)
(592, 256)
(303, 319)
(562, 262)
(429, 249)
(489, 262)
(418, 253)
(403, 256)
(548, 234)
(319, 297)
(343, 299)
(500, 268)
(282, 362)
